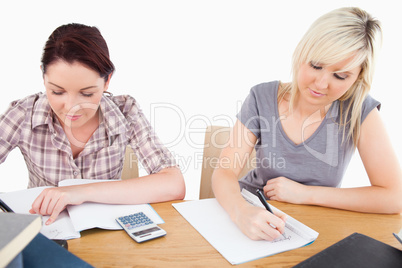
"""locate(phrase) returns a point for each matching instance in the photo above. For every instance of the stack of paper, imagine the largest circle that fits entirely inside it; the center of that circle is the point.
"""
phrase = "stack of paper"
(75, 219)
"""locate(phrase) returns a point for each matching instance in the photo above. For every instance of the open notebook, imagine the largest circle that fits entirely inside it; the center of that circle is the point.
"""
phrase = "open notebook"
(215, 225)
(75, 219)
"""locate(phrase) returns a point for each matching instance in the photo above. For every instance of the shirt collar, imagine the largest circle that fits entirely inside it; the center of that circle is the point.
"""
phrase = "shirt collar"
(42, 112)
(114, 120)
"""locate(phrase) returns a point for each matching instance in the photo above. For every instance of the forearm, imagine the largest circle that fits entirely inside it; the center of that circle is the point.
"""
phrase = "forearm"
(166, 185)
(227, 191)
(255, 222)
(371, 199)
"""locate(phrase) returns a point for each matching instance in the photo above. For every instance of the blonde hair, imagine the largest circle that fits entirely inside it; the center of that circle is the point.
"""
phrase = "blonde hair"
(334, 37)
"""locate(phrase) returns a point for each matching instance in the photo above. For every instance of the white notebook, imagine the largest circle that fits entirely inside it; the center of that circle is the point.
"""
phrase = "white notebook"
(215, 225)
(75, 219)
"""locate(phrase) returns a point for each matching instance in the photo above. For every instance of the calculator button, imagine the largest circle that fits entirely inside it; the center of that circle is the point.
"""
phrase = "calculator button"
(135, 220)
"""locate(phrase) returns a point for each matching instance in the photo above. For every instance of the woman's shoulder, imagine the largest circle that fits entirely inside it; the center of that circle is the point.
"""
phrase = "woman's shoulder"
(122, 99)
(30, 109)
(266, 89)
(126, 104)
(369, 104)
(27, 103)
(370, 101)
(27, 99)
(264, 92)
(266, 85)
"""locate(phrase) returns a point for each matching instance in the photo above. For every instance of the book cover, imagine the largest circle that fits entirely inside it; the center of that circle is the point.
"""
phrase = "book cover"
(356, 250)
(43, 252)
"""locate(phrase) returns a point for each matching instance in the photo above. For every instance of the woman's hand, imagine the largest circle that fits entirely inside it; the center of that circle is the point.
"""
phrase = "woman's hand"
(259, 224)
(52, 201)
(286, 190)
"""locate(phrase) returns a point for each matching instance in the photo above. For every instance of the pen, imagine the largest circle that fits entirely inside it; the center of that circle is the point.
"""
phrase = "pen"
(5, 207)
(265, 203)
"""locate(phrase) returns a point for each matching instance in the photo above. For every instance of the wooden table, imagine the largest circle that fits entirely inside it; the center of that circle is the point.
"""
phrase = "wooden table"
(183, 246)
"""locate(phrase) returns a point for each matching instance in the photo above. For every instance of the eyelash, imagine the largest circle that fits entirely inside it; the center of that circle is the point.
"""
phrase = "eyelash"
(315, 66)
(338, 77)
(320, 68)
(87, 95)
(83, 94)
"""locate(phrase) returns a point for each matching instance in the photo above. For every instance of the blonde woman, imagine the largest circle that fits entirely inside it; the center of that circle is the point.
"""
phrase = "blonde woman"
(306, 131)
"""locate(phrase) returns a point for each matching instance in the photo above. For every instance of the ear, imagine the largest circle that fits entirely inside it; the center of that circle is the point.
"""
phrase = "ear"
(43, 74)
(107, 82)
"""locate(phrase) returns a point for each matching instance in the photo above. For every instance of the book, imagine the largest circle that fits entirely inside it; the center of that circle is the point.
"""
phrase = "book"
(214, 224)
(76, 218)
(42, 252)
(356, 250)
(16, 232)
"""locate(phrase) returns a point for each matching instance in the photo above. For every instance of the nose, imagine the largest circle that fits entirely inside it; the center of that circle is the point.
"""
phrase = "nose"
(321, 81)
(71, 105)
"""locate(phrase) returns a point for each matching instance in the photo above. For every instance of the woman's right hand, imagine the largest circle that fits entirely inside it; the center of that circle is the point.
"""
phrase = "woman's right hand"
(257, 223)
(52, 201)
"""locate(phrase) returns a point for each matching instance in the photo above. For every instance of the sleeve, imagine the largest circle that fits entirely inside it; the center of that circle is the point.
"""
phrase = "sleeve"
(368, 105)
(154, 156)
(249, 114)
(11, 123)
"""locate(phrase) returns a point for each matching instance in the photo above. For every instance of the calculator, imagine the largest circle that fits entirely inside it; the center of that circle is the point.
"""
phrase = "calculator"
(139, 227)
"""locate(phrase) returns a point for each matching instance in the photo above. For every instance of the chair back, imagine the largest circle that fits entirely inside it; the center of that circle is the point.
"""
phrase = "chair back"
(130, 165)
(216, 138)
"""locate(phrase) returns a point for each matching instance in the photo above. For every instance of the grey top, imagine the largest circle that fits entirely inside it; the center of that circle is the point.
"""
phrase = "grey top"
(319, 160)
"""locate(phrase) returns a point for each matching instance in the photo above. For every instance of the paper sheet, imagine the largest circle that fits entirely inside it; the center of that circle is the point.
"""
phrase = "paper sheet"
(91, 215)
(215, 225)
(21, 202)
(76, 218)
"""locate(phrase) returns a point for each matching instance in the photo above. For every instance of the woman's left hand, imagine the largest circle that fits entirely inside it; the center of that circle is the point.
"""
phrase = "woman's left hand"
(52, 201)
(286, 190)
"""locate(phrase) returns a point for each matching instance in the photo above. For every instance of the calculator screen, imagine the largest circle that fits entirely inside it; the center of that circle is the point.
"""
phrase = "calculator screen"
(146, 231)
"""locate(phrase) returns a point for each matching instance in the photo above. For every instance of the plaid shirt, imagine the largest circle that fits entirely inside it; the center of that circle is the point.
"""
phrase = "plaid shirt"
(31, 125)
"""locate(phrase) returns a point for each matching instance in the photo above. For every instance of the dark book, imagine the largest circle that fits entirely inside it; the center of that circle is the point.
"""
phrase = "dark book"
(356, 250)
(43, 252)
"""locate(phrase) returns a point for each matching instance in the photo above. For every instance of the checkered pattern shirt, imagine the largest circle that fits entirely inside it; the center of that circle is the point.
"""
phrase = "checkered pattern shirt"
(30, 125)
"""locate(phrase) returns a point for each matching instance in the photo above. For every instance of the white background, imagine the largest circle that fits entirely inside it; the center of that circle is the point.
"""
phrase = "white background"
(188, 63)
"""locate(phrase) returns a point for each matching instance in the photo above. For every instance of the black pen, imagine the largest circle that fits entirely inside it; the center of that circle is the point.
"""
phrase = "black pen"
(5, 207)
(265, 203)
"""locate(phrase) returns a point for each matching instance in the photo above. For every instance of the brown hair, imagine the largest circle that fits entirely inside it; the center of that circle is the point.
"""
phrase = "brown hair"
(78, 43)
